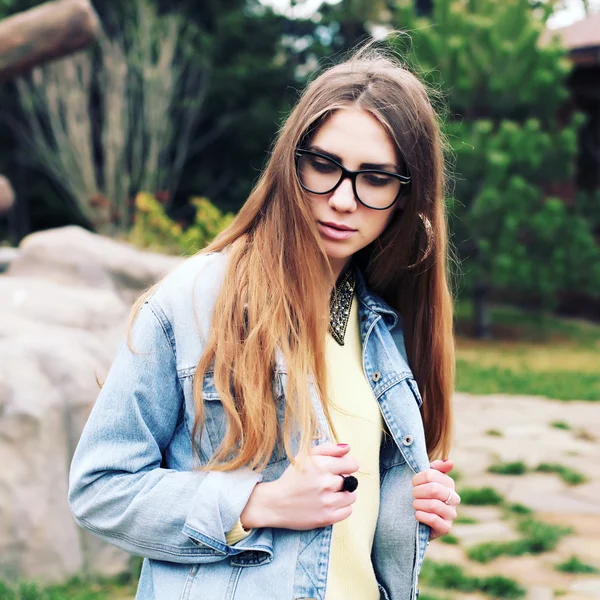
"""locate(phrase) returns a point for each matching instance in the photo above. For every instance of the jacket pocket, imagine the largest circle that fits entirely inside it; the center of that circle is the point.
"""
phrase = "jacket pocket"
(215, 423)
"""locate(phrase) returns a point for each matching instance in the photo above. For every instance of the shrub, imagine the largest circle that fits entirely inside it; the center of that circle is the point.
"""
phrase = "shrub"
(154, 229)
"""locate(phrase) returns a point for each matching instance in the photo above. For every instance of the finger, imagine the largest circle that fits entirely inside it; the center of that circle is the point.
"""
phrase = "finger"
(438, 525)
(433, 476)
(330, 449)
(445, 466)
(340, 500)
(345, 465)
(341, 513)
(436, 491)
(444, 511)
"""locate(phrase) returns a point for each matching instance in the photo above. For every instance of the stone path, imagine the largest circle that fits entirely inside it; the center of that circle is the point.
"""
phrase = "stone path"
(527, 435)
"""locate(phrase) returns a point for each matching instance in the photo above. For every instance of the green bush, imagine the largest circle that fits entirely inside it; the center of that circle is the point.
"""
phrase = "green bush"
(560, 425)
(153, 229)
(450, 539)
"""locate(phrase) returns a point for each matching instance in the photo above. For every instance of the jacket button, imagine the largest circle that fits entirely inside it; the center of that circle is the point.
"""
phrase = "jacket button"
(408, 440)
(376, 376)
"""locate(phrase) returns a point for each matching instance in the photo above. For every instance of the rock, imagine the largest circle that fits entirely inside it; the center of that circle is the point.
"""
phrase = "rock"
(76, 257)
(46, 302)
(7, 195)
(47, 388)
(7, 256)
(64, 306)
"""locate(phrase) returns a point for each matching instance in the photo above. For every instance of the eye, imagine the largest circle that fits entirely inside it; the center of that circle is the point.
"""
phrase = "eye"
(322, 164)
(377, 179)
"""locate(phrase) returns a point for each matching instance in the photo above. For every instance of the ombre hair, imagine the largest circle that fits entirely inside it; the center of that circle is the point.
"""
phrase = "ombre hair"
(276, 289)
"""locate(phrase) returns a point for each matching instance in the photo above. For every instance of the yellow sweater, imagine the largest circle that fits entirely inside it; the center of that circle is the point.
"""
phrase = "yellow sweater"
(357, 419)
(358, 422)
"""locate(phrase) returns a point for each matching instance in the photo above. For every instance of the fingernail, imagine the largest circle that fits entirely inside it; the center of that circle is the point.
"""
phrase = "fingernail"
(343, 445)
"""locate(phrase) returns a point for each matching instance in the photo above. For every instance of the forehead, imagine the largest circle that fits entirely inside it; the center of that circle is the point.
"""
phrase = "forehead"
(356, 136)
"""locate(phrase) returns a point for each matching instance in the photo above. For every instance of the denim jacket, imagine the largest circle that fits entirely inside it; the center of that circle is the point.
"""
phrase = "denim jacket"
(133, 483)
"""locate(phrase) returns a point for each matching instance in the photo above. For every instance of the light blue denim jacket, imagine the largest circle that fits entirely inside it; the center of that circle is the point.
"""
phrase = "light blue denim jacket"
(132, 480)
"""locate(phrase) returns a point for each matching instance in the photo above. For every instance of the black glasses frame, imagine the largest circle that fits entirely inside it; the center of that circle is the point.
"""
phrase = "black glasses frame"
(352, 175)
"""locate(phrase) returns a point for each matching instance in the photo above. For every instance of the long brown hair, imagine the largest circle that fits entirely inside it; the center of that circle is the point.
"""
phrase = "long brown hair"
(276, 294)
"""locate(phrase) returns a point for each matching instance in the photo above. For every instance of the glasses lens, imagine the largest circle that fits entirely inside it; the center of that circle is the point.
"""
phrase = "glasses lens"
(377, 190)
(318, 174)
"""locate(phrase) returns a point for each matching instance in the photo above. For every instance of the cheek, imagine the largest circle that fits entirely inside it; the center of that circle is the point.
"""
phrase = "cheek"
(377, 224)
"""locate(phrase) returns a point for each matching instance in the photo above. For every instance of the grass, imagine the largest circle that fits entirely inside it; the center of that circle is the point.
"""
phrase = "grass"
(465, 521)
(568, 475)
(449, 576)
(494, 433)
(485, 496)
(575, 565)
(450, 539)
(560, 425)
(530, 355)
(538, 537)
(519, 509)
(511, 468)
(75, 588)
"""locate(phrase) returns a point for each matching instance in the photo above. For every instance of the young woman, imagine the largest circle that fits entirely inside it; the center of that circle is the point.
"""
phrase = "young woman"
(309, 348)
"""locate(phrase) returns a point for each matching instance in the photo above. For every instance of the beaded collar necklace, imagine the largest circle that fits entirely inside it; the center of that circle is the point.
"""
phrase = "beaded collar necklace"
(339, 305)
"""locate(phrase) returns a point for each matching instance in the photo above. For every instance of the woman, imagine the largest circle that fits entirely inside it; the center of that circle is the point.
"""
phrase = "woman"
(315, 318)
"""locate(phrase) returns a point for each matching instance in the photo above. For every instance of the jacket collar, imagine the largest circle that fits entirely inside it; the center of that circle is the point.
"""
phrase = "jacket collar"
(373, 303)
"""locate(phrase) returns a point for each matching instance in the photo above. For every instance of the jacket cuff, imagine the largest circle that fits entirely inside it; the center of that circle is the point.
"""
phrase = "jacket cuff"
(237, 534)
(217, 505)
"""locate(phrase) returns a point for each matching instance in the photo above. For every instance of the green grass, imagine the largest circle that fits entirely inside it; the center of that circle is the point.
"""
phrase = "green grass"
(485, 496)
(75, 588)
(538, 537)
(519, 509)
(575, 565)
(494, 433)
(450, 539)
(529, 355)
(560, 425)
(568, 475)
(511, 468)
(558, 385)
(465, 520)
(449, 576)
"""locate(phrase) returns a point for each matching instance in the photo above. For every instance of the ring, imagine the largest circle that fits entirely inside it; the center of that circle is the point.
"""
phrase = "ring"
(449, 496)
(350, 483)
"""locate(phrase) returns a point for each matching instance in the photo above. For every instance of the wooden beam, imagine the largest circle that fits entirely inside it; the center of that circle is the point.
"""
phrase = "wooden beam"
(49, 31)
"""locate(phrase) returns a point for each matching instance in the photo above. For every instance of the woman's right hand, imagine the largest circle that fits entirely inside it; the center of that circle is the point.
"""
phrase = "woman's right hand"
(307, 495)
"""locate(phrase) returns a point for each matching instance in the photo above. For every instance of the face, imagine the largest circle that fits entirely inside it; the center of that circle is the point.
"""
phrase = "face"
(357, 140)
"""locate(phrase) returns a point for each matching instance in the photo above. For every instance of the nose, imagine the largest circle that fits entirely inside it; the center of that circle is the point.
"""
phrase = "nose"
(343, 199)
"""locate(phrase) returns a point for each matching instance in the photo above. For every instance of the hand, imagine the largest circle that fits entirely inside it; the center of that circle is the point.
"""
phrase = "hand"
(431, 489)
(307, 495)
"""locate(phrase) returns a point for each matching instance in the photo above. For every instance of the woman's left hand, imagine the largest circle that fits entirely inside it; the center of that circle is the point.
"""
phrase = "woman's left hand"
(435, 498)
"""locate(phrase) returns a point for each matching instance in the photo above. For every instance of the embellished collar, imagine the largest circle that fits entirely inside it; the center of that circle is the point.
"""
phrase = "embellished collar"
(340, 304)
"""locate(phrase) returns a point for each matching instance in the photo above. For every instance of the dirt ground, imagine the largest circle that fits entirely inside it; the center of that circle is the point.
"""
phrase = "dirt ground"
(524, 432)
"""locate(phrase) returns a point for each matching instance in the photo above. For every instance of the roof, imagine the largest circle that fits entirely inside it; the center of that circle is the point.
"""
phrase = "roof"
(581, 34)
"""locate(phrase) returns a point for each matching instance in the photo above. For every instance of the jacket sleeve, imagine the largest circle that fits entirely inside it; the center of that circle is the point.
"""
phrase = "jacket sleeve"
(118, 488)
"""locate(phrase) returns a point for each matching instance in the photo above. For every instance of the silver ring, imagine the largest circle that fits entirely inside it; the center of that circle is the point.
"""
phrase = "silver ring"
(449, 497)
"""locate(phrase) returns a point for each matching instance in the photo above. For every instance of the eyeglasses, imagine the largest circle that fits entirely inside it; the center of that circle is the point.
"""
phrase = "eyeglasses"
(320, 174)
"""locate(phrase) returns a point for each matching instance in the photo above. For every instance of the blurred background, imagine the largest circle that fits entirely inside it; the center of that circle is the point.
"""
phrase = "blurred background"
(131, 133)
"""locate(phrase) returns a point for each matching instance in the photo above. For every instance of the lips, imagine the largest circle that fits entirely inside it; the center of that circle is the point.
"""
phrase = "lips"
(335, 231)
(337, 226)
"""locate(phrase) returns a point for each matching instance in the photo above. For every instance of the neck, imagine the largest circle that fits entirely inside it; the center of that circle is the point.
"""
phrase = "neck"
(338, 266)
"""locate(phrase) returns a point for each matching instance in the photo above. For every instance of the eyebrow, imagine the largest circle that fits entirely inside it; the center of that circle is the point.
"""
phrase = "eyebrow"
(379, 166)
